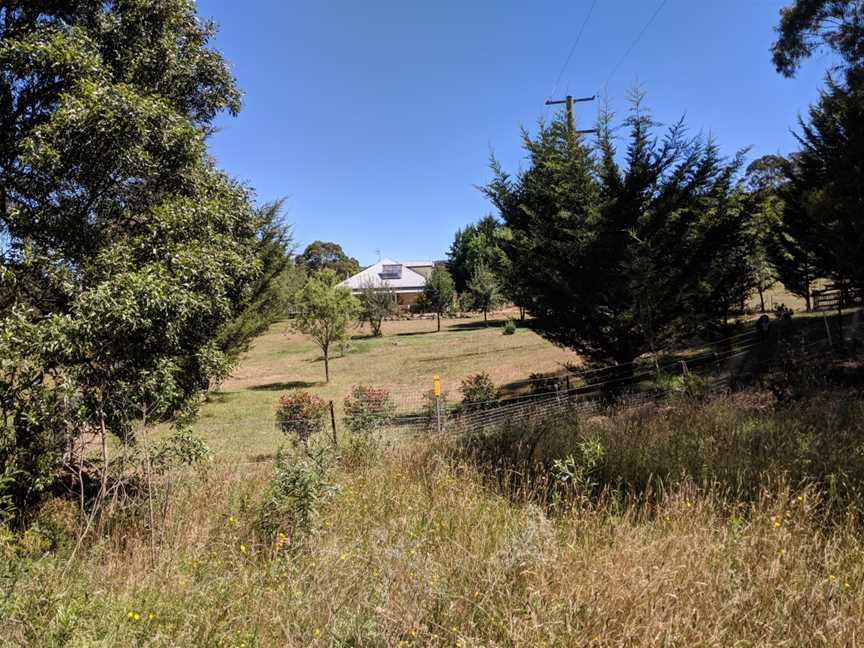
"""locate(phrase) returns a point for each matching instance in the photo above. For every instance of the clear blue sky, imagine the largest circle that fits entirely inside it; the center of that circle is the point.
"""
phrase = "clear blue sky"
(376, 119)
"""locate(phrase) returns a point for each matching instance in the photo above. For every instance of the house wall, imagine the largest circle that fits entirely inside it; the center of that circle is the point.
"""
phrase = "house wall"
(407, 300)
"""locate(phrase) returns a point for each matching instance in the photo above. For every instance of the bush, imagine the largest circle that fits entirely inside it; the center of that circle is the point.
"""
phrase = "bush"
(509, 327)
(181, 448)
(478, 392)
(301, 415)
(368, 408)
(782, 312)
(291, 507)
(542, 384)
(732, 443)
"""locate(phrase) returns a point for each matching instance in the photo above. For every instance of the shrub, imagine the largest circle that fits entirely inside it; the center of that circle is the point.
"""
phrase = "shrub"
(181, 448)
(509, 327)
(301, 415)
(542, 384)
(575, 475)
(368, 408)
(782, 312)
(478, 392)
(300, 485)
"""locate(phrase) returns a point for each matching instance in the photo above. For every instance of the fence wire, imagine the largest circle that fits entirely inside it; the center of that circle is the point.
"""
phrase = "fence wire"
(719, 366)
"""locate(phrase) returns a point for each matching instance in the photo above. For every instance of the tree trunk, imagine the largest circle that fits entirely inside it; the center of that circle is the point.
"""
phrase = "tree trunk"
(761, 299)
(326, 364)
(438, 317)
(485, 321)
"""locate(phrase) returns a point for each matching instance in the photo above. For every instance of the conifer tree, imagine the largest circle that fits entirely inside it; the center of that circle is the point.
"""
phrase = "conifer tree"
(618, 258)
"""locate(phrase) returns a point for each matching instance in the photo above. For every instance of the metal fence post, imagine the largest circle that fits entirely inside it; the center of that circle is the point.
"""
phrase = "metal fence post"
(436, 390)
(828, 330)
(333, 422)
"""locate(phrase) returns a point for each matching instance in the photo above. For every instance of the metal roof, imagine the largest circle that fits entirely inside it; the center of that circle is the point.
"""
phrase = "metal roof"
(409, 281)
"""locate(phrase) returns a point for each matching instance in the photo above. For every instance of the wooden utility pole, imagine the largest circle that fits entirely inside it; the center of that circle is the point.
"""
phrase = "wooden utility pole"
(571, 119)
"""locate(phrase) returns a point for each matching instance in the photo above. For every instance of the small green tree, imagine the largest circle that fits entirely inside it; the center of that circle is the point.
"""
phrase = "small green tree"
(324, 311)
(376, 303)
(485, 290)
(438, 294)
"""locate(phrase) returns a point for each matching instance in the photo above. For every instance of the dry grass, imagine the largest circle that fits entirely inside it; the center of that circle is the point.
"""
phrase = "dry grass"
(420, 546)
(238, 422)
(415, 550)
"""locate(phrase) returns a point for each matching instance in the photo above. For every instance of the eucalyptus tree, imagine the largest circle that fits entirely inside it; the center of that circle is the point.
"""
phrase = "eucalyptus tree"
(126, 250)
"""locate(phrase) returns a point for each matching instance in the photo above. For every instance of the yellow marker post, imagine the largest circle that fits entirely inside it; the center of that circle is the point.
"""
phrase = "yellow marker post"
(436, 390)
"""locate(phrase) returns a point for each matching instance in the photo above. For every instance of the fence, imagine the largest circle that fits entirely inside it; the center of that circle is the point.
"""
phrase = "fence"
(712, 368)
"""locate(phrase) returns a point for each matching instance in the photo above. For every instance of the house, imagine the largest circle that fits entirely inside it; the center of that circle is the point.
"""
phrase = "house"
(407, 279)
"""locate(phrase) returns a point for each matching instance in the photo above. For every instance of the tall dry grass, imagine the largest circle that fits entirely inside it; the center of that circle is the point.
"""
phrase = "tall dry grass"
(420, 547)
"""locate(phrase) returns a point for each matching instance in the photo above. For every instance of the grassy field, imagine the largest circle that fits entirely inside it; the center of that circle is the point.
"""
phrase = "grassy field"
(238, 421)
(419, 545)
(733, 522)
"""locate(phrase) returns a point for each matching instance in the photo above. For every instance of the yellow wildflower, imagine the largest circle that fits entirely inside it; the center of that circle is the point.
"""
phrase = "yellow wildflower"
(242, 548)
(317, 632)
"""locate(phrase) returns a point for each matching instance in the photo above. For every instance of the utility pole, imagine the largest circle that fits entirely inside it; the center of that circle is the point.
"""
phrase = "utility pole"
(571, 119)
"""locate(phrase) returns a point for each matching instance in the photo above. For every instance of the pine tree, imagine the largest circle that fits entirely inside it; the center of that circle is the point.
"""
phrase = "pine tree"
(619, 258)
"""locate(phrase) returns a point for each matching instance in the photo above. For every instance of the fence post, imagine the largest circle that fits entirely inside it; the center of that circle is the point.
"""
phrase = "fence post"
(333, 422)
(828, 330)
(436, 390)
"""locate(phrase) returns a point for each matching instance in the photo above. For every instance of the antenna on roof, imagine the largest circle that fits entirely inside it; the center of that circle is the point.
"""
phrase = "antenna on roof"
(378, 252)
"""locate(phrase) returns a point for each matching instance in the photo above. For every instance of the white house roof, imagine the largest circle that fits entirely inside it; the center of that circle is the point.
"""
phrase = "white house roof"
(394, 274)
(419, 264)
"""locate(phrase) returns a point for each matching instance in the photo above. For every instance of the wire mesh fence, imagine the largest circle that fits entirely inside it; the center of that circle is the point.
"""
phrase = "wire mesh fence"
(709, 368)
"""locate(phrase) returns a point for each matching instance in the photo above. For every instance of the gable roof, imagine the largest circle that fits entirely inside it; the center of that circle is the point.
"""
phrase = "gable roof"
(407, 281)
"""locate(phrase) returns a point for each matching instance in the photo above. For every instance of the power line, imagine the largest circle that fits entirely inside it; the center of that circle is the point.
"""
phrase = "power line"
(636, 41)
(573, 48)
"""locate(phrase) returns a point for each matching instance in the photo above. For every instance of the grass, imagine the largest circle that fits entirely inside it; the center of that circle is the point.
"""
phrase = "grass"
(238, 422)
(732, 522)
(419, 548)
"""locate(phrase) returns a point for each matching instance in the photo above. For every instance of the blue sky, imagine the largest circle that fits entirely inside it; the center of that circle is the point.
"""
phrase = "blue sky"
(376, 119)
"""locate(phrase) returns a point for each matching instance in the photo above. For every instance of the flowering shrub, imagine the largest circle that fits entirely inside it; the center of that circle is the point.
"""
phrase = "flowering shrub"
(478, 392)
(368, 408)
(301, 415)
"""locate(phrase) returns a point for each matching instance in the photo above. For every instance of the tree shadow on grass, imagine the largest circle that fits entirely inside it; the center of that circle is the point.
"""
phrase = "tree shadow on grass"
(219, 396)
(480, 325)
(281, 386)
(412, 333)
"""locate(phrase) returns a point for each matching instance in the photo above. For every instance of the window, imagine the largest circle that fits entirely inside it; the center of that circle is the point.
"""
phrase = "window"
(391, 271)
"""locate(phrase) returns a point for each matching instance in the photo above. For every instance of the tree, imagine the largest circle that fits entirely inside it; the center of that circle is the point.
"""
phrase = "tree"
(807, 25)
(823, 198)
(438, 293)
(325, 310)
(126, 251)
(477, 244)
(273, 291)
(485, 290)
(376, 303)
(320, 256)
(764, 178)
(619, 260)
